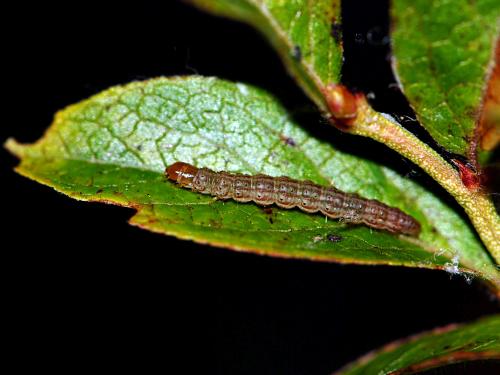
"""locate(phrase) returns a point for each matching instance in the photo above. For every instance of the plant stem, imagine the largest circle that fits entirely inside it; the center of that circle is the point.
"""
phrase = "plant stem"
(477, 205)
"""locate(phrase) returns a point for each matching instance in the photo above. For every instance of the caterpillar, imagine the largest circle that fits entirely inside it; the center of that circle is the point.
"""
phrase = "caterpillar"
(286, 192)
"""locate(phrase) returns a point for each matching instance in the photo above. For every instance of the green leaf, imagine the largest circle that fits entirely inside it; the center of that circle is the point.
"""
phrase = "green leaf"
(288, 24)
(443, 346)
(443, 53)
(306, 34)
(115, 146)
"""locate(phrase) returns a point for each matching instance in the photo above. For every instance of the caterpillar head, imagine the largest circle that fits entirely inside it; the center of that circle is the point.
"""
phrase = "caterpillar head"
(182, 173)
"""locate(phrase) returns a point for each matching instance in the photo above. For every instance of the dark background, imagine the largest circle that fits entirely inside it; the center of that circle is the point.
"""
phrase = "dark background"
(84, 290)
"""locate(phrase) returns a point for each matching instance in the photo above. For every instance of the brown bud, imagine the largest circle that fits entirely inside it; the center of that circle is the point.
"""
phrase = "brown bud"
(341, 102)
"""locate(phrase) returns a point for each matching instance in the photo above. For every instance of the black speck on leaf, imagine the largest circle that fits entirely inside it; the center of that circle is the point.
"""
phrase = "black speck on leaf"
(337, 32)
(297, 53)
(334, 238)
(289, 141)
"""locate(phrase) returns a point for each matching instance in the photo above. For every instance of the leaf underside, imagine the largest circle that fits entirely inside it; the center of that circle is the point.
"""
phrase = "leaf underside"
(114, 148)
(452, 344)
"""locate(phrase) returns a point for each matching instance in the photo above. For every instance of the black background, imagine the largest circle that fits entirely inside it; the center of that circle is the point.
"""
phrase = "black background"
(84, 290)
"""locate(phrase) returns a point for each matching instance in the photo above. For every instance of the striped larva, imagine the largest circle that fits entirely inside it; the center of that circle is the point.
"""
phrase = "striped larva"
(288, 193)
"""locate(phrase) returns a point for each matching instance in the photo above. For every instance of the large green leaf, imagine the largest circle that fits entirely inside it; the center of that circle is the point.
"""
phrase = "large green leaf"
(452, 344)
(443, 53)
(115, 146)
(299, 25)
(306, 34)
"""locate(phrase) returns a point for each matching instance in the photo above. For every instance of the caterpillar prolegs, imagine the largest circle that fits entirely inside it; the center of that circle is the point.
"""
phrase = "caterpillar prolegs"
(288, 193)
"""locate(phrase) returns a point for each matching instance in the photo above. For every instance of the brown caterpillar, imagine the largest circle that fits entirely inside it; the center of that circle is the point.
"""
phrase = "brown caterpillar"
(288, 193)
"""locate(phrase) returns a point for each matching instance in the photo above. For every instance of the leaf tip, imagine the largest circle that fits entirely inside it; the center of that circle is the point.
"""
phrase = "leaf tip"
(14, 147)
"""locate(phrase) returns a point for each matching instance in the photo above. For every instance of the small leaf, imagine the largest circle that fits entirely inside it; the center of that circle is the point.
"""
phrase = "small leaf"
(115, 146)
(443, 55)
(306, 34)
(443, 346)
